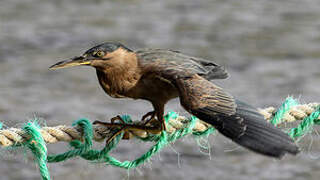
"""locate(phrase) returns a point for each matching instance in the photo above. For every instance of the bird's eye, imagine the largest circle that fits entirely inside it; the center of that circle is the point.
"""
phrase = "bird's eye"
(99, 54)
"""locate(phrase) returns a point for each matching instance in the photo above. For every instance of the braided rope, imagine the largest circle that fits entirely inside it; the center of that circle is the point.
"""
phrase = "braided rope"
(295, 113)
(51, 135)
(81, 134)
(15, 136)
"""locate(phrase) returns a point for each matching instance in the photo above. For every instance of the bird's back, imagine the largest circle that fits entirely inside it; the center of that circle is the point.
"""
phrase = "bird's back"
(181, 62)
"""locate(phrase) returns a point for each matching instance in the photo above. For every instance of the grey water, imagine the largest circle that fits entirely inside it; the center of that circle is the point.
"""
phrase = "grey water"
(271, 49)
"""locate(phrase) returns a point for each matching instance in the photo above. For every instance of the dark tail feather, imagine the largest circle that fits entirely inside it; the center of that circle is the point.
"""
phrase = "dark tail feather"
(248, 128)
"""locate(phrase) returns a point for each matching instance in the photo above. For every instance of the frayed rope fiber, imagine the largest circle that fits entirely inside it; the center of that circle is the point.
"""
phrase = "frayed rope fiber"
(81, 134)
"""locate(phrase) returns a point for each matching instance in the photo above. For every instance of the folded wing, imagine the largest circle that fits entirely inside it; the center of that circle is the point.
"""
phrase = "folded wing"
(181, 62)
(234, 119)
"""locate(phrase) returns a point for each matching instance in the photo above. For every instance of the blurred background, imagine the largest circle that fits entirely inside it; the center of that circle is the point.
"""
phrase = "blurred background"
(271, 48)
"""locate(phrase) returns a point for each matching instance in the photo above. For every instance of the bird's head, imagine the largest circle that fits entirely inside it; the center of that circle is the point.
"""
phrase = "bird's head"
(102, 56)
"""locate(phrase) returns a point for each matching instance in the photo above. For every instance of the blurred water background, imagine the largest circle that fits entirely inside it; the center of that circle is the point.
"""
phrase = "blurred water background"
(271, 49)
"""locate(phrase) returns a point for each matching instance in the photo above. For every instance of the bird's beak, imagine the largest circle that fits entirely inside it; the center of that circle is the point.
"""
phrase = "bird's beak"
(76, 61)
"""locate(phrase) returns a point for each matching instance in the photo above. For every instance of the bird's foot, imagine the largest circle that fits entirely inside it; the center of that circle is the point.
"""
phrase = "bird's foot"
(119, 118)
(120, 126)
(127, 128)
(150, 115)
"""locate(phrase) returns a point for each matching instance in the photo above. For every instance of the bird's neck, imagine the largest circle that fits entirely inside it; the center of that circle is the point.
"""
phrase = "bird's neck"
(118, 80)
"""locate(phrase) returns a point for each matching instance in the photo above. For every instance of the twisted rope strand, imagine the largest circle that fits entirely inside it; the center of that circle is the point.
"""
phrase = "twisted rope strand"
(15, 136)
(82, 133)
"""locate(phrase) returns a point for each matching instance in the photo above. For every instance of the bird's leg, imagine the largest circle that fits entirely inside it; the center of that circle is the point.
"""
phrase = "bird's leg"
(160, 114)
(152, 114)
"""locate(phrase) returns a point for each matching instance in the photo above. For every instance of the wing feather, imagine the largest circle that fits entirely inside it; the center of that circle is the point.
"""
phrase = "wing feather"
(198, 93)
(168, 59)
(233, 118)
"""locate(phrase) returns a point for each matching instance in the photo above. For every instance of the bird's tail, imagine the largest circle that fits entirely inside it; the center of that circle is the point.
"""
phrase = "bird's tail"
(248, 128)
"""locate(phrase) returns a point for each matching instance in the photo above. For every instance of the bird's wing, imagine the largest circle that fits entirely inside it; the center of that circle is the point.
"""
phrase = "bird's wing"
(198, 93)
(210, 103)
(236, 120)
(176, 60)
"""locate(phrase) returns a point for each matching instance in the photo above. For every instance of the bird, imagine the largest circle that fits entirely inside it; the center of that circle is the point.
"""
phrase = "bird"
(159, 75)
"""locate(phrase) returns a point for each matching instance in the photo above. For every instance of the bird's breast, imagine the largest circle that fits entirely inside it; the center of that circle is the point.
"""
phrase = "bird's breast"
(112, 84)
(150, 87)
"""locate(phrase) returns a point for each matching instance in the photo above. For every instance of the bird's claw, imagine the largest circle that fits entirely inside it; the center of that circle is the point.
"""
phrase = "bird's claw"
(119, 118)
(150, 114)
(125, 128)
(121, 127)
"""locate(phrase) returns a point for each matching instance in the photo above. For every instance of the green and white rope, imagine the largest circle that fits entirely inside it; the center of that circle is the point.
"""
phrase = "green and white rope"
(81, 134)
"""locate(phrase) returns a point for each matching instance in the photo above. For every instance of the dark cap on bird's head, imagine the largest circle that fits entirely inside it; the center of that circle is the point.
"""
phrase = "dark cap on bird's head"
(98, 52)
(107, 47)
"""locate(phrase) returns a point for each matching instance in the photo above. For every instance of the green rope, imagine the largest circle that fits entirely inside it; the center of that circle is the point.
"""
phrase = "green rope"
(288, 103)
(84, 150)
(162, 140)
(79, 147)
(306, 125)
(38, 148)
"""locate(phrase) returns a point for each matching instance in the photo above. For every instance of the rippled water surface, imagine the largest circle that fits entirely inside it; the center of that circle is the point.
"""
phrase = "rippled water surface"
(271, 49)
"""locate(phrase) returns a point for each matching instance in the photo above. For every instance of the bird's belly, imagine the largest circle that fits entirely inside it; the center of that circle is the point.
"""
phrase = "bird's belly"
(113, 94)
(164, 93)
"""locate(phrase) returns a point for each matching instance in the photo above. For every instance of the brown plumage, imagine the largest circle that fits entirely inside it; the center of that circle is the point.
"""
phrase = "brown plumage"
(158, 75)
